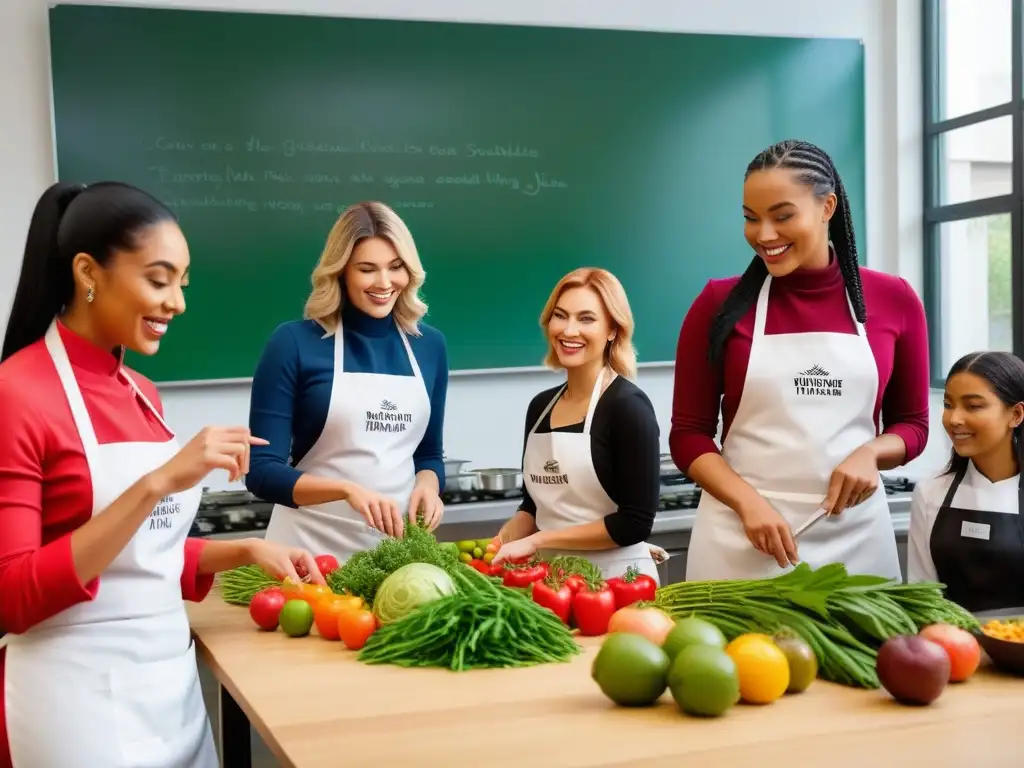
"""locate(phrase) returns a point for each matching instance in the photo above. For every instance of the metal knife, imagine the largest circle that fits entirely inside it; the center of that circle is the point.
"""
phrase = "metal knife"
(821, 512)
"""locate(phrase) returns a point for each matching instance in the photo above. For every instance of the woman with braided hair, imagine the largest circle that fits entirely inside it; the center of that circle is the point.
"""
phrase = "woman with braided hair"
(806, 355)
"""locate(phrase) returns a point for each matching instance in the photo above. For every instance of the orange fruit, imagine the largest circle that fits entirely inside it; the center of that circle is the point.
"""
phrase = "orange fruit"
(325, 616)
(762, 667)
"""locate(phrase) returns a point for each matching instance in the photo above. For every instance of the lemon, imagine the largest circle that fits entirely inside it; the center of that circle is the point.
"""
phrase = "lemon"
(762, 667)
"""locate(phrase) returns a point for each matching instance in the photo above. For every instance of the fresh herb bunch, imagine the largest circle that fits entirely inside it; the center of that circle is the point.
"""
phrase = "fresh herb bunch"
(843, 618)
(363, 573)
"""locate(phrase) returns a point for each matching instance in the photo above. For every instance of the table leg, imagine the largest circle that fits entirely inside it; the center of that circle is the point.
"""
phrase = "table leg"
(235, 743)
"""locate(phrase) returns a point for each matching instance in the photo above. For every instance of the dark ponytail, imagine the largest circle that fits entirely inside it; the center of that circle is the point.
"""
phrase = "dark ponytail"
(71, 219)
(1004, 373)
(815, 169)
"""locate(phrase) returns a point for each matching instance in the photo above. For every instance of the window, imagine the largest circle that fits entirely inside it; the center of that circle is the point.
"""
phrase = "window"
(973, 171)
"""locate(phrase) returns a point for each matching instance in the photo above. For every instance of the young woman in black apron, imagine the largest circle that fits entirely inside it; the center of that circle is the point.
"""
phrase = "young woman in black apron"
(965, 524)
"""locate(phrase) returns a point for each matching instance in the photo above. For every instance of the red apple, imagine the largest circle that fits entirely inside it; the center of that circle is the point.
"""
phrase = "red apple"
(961, 646)
(913, 669)
(265, 608)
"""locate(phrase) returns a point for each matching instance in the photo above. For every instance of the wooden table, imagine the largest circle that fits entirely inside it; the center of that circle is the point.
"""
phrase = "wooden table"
(315, 705)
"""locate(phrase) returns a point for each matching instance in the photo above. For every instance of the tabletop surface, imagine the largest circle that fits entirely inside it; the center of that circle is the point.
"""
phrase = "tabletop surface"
(315, 705)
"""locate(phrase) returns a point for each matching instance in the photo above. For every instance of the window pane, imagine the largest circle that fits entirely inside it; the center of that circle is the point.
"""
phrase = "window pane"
(975, 55)
(976, 298)
(976, 161)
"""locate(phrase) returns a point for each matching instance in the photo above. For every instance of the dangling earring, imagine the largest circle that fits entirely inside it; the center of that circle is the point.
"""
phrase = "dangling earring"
(90, 294)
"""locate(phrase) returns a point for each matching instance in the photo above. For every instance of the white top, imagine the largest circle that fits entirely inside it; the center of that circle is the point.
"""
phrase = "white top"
(975, 492)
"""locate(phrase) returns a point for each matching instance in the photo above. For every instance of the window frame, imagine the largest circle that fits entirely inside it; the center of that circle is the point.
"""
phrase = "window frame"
(936, 213)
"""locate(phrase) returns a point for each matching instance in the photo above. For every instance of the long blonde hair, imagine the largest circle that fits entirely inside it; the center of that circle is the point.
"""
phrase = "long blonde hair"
(356, 223)
(620, 353)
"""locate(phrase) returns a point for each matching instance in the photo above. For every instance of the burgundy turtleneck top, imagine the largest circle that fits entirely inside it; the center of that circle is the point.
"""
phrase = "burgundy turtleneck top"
(811, 300)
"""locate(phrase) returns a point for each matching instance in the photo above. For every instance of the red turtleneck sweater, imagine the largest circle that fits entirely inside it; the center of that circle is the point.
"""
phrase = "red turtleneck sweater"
(801, 302)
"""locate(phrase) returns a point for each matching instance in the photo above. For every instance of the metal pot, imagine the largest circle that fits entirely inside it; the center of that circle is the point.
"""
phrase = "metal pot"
(464, 481)
(453, 467)
(499, 480)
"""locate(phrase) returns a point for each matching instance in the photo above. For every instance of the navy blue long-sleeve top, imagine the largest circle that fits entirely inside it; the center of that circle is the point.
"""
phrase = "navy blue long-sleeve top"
(291, 392)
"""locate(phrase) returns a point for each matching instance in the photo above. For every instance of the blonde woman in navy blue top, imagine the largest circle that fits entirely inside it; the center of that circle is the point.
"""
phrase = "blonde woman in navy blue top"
(352, 398)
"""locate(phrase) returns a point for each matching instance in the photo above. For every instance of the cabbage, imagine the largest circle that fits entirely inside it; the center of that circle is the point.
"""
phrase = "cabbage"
(408, 588)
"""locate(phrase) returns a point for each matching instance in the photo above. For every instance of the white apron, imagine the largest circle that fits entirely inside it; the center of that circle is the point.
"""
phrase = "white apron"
(122, 666)
(807, 403)
(558, 472)
(374, 424)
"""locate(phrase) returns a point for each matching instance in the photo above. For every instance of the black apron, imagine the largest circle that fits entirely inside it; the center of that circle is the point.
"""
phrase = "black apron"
(979, 554)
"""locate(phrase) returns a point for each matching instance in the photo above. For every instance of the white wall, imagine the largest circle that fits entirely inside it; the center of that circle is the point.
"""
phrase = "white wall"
(890, 30)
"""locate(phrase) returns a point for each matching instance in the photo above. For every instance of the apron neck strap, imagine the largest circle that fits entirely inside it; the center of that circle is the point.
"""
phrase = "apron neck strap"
(595, 397)
(958, 478)
(761, 312)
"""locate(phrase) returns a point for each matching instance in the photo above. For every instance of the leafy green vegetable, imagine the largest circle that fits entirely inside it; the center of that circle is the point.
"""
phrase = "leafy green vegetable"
(843, 618)
(483, 625)
(238, 585)
(408, 588)
(364, 572)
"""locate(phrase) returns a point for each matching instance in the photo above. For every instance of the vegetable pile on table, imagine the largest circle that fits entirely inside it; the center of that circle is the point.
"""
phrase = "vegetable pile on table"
(844, 618)
(415, 602)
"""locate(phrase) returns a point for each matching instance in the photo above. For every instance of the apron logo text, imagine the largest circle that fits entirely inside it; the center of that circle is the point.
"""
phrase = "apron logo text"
(816, 381)
(387, 419)
(161, 518)
(550, 479)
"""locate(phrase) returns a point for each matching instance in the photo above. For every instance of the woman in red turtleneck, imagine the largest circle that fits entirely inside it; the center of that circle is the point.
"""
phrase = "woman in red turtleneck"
(97, 497)
(804, 355)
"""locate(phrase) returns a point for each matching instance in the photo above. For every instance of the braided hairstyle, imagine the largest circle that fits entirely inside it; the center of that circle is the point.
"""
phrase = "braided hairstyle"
(814, 168)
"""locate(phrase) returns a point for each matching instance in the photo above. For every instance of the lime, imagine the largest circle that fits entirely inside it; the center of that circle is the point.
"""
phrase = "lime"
(482, 543)
(803, 664)
(692, 631)
(704, 681)
(467, 545)
(630, 670)
(477, 552)
(466, 557)
(296, 618)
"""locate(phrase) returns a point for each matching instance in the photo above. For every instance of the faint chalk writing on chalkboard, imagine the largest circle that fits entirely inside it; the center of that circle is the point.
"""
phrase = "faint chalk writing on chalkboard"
(252, 169)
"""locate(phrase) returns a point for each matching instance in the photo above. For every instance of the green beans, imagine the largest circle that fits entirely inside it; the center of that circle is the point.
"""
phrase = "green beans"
(483, 625)
(843, 618)
(238, 586)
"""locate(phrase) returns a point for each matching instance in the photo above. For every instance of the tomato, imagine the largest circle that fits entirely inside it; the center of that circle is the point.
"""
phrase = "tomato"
(632, 587)
(326, 612)
(265, 608)
(593, 609)
(481, 566)
(355, 627)
(652, 623)
(575, 583)
(326, 563)
(524, 575)
(558, 601)
(961, 647)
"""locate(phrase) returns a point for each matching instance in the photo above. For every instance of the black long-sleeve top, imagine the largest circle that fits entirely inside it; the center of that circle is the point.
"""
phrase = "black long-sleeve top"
(625, 446)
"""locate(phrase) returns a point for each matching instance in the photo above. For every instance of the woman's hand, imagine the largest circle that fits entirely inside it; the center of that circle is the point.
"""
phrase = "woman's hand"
(520, 549)
(379, 512)
(285, 562)
(213, 448)
(769, 532)
(853, 481)
(425, 499)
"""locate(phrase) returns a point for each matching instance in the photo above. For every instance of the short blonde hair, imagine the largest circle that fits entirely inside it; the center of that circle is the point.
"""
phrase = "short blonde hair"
(620, 353)
(356, 223)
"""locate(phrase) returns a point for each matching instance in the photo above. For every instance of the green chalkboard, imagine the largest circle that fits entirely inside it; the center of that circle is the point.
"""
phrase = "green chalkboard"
(514, 154)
